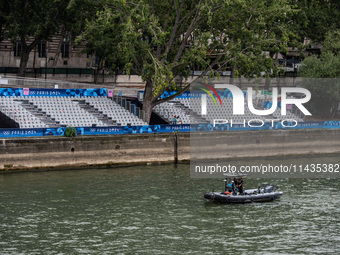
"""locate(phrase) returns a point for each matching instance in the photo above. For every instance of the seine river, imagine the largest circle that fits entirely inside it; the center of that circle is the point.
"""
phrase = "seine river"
(161, 210)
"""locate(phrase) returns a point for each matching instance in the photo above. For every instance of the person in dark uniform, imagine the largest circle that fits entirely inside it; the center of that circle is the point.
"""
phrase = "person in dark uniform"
(233, 187)
(240, 186)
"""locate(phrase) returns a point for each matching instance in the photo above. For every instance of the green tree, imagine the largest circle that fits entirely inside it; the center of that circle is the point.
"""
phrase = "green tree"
(159, 40)
(102, 40)
(3, 11)
(32, 21)
(325, 92)
(316, 18)
(74, 19)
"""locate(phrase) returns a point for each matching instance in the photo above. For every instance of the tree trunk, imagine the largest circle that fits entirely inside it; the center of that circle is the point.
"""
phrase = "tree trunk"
(95, 75)
(25, 54)
(60, 43)
(97, 71)
(23, 61)
(148, 100)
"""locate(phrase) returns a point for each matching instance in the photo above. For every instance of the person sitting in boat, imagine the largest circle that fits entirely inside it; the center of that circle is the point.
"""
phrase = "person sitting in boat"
(228, 192)
(240, 186)
(229, 189)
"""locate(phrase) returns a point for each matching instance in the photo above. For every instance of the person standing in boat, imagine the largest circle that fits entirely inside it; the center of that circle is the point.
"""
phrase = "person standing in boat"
(240, 186)
(234, 186)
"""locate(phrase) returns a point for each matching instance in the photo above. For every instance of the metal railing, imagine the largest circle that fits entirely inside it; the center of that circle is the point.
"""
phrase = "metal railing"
(127, 105)
(25, 82)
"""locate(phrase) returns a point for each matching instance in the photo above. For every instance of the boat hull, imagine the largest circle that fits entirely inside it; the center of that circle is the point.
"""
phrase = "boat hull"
(222, 198)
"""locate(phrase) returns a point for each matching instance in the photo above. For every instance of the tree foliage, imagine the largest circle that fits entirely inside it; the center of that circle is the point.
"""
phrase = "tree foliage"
(316, 18)
(162, 40)
(325, 92)
(31, 21)
(99, 39)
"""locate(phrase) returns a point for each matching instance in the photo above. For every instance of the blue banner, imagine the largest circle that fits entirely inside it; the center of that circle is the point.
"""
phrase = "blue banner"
(151, 129)
(53, 92)
(198, 94)
(332, 124)
(166, 94)
(22, 132)
(134, 129)
(308, 125)
(114, 130)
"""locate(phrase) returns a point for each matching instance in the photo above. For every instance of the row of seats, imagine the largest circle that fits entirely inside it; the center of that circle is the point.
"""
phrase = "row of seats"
(171, 110)
(44, 112)
(215, 110)
(114, 111)
(66, 111)
(19, 114)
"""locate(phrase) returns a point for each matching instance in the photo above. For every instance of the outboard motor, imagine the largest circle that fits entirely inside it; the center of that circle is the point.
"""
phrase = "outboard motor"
(268, 189)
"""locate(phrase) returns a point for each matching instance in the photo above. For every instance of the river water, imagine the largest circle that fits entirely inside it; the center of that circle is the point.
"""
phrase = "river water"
(161, 210)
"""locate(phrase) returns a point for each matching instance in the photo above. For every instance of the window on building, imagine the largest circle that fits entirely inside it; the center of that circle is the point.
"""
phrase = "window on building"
(42, 49)
(65, 50)
(17, 49)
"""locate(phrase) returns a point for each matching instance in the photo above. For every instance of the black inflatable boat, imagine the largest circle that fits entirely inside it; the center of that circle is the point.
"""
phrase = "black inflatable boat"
(235, 194)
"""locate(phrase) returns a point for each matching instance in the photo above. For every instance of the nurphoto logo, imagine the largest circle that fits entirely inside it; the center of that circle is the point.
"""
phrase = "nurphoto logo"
(239, 102)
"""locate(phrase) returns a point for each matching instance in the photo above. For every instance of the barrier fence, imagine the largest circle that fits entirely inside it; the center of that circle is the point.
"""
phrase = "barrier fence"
(17, 82)
(150, 129)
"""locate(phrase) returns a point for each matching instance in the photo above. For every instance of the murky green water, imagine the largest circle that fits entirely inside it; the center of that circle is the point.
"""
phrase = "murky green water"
(161, 210)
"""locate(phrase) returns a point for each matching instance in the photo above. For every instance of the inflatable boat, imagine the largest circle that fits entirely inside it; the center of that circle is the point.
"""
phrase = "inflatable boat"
(234, 193)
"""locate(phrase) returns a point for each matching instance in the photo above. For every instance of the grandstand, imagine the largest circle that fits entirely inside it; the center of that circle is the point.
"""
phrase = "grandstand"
(178, 108)
(47, 112)
(92, 107)
(189, 111)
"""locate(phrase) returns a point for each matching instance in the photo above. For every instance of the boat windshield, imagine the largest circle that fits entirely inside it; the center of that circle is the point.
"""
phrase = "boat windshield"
(234, 175)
